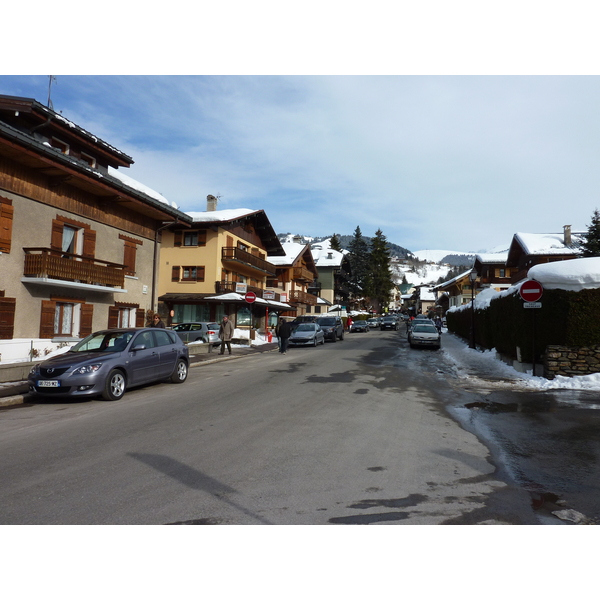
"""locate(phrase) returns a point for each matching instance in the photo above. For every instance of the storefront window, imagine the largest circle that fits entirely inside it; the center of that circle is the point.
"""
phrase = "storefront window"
(184, 313)
(244, 317)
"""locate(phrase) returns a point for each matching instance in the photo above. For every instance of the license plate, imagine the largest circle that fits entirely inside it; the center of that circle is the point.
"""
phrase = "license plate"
(49, 383)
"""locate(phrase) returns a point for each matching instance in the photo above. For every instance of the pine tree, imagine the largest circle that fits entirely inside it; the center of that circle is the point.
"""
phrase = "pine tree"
(381, 284)
(591, 243)
(334, 243)
(358, 255)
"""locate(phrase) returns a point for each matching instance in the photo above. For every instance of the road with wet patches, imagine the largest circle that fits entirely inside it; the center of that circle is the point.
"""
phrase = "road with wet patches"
(364, 431)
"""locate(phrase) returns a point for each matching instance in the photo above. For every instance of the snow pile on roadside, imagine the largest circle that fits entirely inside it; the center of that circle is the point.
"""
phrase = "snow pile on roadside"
(465, 358)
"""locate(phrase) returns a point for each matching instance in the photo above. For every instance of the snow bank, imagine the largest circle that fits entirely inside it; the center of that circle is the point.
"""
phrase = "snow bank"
(574, 275)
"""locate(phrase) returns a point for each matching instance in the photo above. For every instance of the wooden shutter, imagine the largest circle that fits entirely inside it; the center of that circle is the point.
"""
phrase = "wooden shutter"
(7, 318)
(57, 235)
(129, 258)
(47, 319)
(6, 220)
(202, 237)
(89, 243)
(140, 317)
(113, 317)
(199, 273)
(229, 242)
(85, 325)
(175, 274)
(178, 237)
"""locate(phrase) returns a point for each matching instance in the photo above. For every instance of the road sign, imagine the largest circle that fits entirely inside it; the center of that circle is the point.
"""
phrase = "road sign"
(531, 291)
(250, 297)
(532, 305)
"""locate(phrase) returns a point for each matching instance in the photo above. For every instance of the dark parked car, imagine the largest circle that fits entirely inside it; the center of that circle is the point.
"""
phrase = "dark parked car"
(109, 362)
(333, 328)
(198, 332)
(307, 334)
(389, 322)
(361, 325)
(424, 334)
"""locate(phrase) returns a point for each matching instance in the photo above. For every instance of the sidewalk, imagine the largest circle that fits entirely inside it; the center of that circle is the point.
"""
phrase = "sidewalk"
(14, 392)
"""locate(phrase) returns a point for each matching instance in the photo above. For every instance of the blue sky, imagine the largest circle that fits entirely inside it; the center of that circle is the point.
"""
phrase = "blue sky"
(452, 161)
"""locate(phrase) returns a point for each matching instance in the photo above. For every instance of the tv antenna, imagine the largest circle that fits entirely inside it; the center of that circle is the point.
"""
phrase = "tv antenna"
(51, 78)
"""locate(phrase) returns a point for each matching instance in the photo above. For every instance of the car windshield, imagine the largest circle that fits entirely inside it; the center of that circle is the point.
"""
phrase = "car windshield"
(326, 321)
(305, 327)
(389, 318)
(213, 326)
(424, 329)
(104, 341)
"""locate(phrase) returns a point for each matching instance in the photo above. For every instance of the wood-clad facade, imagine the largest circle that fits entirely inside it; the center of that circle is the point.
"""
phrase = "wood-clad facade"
(77, 243)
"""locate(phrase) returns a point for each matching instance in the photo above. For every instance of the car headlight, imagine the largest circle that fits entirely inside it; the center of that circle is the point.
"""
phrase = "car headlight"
(34, 370)
(87, 369)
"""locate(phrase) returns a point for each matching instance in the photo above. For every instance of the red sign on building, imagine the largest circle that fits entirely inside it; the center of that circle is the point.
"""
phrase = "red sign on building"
(250, 297)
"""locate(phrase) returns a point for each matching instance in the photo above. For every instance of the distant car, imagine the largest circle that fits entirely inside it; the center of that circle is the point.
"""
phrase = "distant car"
(333, 328)
(361, 325)
(307, 334)
(389, 322)
(424, 334)
(110, 361)
(303, 319)
(373, 322)
(198, 331)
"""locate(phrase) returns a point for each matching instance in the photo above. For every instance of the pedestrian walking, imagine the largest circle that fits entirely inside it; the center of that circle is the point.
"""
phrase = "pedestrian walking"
(157, 322)
(226, 330)
(284, 330)
(438, 324)
(349, 322)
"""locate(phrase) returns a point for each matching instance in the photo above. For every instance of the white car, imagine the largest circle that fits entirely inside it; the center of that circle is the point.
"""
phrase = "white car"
(424, 335)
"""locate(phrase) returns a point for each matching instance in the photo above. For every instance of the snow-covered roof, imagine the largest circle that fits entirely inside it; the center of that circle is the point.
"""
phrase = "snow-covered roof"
(292, 251)
(497, 257)
(427, 296)
(326, 257)
(140, 187)
(219, 216)
(451, 281)
(547, 243)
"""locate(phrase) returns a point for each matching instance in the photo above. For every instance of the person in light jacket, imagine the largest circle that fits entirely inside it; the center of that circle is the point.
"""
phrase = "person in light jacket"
(226, 334)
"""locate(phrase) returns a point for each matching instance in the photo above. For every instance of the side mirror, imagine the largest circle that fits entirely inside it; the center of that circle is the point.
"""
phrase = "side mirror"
(138, 347)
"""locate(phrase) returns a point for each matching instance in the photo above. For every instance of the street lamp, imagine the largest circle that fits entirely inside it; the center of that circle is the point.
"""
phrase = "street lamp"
(472, 278)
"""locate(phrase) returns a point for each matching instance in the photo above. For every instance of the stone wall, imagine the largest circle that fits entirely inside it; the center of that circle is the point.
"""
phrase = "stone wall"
(569, 361)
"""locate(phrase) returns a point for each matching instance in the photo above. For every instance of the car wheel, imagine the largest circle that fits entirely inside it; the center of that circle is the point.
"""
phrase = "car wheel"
(334, 338)
(181, 372)
(342, 337)
(114, 386)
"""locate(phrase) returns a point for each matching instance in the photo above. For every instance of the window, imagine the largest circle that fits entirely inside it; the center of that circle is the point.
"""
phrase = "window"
(60, 145)
(90, 160)
(162, 338)
(192, 274)
(184, 313)
(189, 238)
(63, 319)
(73, 237)
(6, 219)
(243, 247)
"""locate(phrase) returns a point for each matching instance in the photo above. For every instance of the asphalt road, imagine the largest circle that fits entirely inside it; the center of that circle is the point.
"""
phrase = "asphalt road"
(356, 432)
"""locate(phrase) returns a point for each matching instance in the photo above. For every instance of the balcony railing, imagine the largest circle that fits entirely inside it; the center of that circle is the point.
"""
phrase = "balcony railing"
(302, 274)
(54, 264)
(231, 254)
(303, 298)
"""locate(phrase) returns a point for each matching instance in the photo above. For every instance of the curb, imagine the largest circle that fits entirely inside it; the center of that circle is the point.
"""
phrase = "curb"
(7, 401)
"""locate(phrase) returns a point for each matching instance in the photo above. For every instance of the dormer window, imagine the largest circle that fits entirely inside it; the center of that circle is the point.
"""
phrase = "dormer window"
(59, 145)
(90, 160)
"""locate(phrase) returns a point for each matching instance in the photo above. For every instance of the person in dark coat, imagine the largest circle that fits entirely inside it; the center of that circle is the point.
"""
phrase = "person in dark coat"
(157, 322)
(226, 331)
(284, 330)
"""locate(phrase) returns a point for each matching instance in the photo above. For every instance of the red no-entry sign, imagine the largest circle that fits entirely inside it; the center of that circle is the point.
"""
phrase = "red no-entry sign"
(250, 297)
(531, 291)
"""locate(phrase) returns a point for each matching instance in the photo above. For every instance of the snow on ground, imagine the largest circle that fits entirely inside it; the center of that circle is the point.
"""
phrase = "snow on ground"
(472, 364)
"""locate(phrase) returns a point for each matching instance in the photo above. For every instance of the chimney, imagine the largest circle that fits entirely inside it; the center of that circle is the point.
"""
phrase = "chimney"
(211, 203)
(567, 230)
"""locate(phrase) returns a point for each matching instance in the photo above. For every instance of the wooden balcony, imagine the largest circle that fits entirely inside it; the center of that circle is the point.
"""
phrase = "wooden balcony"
(303, 298)
(302, 274)
(231, 254)
(53, 264)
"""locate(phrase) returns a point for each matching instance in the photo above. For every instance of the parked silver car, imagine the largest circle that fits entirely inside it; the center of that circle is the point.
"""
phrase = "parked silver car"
(424, 334)
(307, 334)
(110, 361)
(198, 332)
